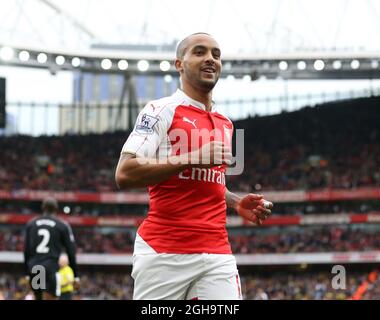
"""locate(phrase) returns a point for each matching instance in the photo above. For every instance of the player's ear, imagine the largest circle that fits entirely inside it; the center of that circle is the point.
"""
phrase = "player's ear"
(178, 65)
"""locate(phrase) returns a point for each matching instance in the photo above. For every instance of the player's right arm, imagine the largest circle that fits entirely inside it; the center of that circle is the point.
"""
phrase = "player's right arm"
(133, 172)
(70, 246)
(139, 165)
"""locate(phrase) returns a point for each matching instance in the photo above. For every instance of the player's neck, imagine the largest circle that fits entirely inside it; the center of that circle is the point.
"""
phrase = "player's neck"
(47, 214)
(198, 95)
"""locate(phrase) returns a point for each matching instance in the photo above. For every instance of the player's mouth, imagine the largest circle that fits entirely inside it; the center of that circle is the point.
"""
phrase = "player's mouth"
(210, 70)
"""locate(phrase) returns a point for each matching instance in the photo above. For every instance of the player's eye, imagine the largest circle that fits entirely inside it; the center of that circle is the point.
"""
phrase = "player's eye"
(216, 54)
(199, 51)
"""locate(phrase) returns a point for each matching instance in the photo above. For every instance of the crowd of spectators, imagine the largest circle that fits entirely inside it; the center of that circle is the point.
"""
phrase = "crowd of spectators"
(99, 210)
(93, 286)
(306, 239)
(88, 240)
(76, 209)
(269, 240)
(276, 286)
(299, 286)
(71, 162)
(333, 145)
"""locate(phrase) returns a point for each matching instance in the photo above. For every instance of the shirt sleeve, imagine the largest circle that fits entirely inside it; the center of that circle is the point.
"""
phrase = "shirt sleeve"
(149, 130)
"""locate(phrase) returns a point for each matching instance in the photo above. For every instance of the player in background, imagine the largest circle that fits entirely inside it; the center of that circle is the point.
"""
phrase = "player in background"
(181, 249)
(45, 237)
(67, 278)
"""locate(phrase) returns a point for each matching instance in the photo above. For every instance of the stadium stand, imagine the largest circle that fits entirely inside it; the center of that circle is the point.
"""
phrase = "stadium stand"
(334, 238)
(320, 166)
(278, 286)
(336, 145)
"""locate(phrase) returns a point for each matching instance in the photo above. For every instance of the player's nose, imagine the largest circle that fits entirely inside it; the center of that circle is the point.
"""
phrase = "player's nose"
(209, 58)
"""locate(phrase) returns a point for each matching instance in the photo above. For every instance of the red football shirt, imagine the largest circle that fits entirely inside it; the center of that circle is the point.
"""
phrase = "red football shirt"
(187, 212)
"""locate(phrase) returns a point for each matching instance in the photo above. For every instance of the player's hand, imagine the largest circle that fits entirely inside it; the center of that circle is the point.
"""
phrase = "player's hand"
(76, 284)
(254, 208)
(26, 282)
(212, 154)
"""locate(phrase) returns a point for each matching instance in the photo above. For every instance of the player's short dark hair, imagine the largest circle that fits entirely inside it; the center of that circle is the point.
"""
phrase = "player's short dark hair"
(182, 45)
(49, 205)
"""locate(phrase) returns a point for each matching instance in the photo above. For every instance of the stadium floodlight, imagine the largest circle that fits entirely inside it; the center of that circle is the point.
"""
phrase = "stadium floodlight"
(24, 55)
(374, 64)
(247, 78)
(66, 209)
(337, 64)
(75, 62)
(122, 64)
(60, 60)
(168, 78)
(319, 65)
(266, 65)
(241, 67)
(165, 66)
(227, 66)
(42, 57)
(283, 65)
(106, 64)
(355, 64)
(6, 53)
(143, 65)
(301, 65)
(230, 77)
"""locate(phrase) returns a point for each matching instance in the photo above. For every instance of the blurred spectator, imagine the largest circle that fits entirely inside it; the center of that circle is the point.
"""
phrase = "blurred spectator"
(261, 295)
(306, 239)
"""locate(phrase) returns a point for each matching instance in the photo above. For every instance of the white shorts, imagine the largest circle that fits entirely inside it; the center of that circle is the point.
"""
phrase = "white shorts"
(163, 276)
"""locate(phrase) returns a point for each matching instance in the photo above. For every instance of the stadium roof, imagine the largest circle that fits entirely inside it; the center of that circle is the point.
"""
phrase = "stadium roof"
(241, 26)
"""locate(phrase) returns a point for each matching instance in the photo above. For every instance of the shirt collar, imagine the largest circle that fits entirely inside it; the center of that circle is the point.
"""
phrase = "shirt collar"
(189, 101)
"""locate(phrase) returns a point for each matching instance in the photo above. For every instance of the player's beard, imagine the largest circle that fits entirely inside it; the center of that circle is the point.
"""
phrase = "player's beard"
(196, 79)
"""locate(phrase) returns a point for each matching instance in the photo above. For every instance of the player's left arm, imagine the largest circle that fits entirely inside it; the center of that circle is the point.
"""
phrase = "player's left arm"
(252, 207)
(70, 246)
